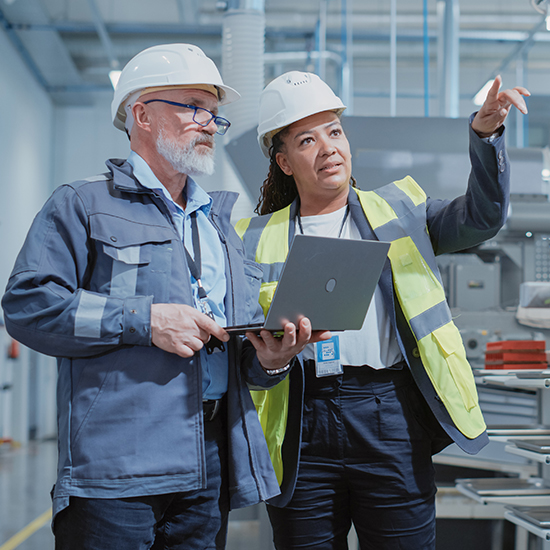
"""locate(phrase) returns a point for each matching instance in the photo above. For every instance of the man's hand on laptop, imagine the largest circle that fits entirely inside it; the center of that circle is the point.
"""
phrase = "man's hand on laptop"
(181, 329)
(276, 352)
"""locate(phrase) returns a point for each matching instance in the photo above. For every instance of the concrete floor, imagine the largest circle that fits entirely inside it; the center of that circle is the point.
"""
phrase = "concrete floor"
(27, 475)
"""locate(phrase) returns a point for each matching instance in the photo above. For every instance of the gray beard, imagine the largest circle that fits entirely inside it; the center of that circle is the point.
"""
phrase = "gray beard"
(186, 159)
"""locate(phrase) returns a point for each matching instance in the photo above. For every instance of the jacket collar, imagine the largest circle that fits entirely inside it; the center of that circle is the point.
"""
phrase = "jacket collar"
(123, 176)
(222, 205)
(123, 179)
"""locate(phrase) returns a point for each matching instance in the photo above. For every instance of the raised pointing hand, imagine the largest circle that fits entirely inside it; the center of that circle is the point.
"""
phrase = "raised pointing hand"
(494, 111)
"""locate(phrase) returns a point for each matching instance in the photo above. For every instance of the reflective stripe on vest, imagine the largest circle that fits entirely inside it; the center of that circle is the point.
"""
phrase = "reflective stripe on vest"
(265, 240)
(421, 296)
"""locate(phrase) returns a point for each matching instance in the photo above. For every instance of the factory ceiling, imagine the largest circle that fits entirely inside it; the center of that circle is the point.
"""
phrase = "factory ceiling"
(71, 45)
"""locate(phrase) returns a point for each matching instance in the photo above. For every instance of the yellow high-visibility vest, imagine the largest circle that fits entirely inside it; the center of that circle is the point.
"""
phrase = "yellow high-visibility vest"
(419, 292)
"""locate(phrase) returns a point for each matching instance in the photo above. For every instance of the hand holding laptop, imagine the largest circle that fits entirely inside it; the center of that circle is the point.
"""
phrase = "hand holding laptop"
(276, 352)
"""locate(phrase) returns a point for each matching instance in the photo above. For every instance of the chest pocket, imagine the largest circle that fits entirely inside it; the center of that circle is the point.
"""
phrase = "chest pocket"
(133, 259)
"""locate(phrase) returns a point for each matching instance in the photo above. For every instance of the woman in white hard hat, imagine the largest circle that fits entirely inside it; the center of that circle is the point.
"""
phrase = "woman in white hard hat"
(357, 444)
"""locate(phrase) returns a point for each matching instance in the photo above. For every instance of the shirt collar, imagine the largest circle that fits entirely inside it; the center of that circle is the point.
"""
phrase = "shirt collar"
(197, 198)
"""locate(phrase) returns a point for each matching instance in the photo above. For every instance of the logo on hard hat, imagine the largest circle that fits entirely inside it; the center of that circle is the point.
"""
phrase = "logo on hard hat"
(303, 79)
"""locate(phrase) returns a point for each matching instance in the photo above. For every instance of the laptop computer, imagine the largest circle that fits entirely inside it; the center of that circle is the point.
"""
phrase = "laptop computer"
(330, 281)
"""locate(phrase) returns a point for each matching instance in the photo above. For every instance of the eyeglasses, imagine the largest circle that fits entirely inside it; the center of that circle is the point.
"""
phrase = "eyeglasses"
(201, 116)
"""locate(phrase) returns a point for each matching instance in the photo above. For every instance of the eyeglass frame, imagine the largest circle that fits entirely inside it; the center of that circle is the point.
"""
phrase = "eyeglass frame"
(225, 124)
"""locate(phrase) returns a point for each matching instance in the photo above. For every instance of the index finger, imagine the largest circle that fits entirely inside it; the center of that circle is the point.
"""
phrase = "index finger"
(492, 94)
(210, 326)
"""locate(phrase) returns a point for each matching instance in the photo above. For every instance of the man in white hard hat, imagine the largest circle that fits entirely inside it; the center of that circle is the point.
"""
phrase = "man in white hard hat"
(360, 434)
(128, 278)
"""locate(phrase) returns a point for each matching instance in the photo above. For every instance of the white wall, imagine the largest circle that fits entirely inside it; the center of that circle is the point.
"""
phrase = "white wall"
(26, 115)
(26, 145)
(43, 146)
(84, 139)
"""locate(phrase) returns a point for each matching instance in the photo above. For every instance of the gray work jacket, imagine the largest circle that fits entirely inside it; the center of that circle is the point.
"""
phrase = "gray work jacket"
(130, 421)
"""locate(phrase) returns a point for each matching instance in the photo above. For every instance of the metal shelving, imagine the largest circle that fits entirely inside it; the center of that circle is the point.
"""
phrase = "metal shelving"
(540, 382)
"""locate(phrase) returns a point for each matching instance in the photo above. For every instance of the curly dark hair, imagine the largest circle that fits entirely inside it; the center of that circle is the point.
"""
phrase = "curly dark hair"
(278, 189)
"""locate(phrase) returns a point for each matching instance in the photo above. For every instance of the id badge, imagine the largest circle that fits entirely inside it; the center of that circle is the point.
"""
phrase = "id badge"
(327, 357)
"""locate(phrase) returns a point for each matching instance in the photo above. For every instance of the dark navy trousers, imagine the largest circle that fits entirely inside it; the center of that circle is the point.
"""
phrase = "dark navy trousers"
(194, 520)
(366, 459)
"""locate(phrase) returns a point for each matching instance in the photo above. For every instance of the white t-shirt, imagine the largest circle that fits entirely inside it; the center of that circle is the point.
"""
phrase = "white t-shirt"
(375, 344)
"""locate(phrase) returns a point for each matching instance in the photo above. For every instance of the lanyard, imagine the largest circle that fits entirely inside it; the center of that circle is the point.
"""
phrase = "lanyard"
(195, 267)
(299, 218)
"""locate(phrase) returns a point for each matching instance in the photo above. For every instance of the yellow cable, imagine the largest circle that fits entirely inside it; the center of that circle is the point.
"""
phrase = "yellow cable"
(25, 533)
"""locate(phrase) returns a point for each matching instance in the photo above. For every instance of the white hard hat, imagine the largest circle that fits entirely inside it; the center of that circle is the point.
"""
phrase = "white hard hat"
(291, 97)
(164, 66)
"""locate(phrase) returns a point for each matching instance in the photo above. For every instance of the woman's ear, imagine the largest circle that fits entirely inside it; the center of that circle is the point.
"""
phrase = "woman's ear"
(283, 163)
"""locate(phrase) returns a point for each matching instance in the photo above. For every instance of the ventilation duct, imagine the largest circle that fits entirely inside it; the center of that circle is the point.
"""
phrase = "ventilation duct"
(243, 45)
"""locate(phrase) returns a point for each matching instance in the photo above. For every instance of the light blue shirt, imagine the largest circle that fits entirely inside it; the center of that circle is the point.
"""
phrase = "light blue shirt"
(214, 366)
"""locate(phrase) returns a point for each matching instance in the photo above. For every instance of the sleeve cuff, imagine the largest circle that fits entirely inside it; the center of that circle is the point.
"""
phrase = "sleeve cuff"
(489, 139)
(136, 321)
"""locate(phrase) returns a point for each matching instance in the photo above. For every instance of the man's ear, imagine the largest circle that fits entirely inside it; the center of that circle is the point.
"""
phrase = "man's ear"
(141, 117)
(282, 161)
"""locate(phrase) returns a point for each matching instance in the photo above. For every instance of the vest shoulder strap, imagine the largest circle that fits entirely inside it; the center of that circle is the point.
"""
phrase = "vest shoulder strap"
(266, 237)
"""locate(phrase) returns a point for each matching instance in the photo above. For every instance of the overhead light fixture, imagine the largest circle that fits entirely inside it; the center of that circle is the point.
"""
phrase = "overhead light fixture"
(481, 96)
(543, 6)
(540, 5)
(114, 75)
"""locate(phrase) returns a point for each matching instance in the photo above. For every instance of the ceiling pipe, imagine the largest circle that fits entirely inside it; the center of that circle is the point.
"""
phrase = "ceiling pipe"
(187, 11)
(321, 40)
(243, 46)
(215, 30)
(520, 118)
(521, 49)
(393, 57)
(104, 36)
(448, 57)
(426, 41)
(23, 52)
(347, 56)
(272, 58)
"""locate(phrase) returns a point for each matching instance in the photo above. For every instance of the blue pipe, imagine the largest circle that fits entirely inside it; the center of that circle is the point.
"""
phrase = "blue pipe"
(23, 52)
(344, 43)
(426, 62)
